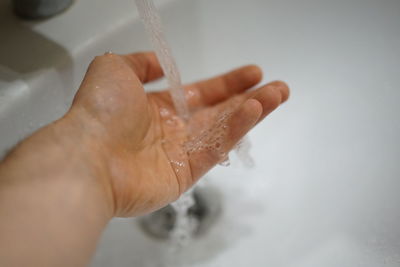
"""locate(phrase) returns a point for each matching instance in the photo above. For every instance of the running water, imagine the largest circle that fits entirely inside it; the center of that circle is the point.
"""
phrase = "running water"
(209, 139)
(152, 22)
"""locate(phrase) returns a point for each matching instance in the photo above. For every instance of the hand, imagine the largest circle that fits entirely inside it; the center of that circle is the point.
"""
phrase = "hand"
(144, 154)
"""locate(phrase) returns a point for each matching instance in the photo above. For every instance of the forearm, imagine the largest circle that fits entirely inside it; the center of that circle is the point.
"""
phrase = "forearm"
(53, 205)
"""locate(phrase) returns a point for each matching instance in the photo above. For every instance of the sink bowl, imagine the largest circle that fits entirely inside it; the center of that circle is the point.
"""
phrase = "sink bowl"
(325, 187)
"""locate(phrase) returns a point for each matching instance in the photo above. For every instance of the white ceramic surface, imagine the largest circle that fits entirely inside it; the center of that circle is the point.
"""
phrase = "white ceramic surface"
(325, 189)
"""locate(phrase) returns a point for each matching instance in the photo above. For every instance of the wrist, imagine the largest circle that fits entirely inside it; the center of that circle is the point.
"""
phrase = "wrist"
(52, 194)
(62, 154)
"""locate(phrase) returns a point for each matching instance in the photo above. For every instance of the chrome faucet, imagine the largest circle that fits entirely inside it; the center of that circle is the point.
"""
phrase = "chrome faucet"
(39, 9)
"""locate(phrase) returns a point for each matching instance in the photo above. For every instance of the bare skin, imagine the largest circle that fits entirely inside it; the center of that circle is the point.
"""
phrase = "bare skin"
(117, 152)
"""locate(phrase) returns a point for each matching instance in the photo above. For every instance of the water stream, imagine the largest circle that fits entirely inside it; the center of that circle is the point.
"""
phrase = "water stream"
(184, 226)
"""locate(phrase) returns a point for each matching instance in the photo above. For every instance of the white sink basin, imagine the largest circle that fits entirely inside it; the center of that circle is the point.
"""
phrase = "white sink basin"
(325, 189)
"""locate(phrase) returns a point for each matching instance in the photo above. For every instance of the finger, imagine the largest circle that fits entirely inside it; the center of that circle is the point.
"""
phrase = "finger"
(217, 89)
(210, 147)
(145, 65)
(270, 96)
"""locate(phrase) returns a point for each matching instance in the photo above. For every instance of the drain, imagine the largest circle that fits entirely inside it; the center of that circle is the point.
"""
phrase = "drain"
(205, 210)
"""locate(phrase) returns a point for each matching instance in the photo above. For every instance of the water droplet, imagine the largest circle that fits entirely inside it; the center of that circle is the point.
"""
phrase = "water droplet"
(164, 112)
(225, 162)
(170, 122)
(190, 94)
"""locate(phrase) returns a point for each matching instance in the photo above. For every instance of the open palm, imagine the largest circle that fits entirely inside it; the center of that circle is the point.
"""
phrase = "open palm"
(148, 154)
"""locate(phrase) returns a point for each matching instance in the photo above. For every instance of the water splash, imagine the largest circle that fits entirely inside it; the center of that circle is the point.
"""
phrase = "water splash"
(185, 225)
(211, 139)
(242, 150)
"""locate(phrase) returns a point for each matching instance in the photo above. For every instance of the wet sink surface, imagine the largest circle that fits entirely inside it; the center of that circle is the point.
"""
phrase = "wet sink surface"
(324, 191)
